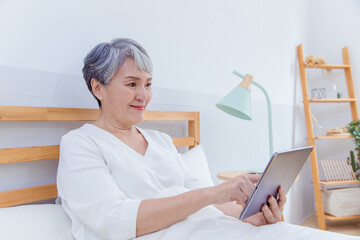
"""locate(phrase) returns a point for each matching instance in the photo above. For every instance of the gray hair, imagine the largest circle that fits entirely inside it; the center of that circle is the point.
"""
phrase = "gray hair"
(104, 60)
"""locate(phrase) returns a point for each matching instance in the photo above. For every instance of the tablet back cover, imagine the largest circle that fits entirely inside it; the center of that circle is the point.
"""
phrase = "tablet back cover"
(282, 169)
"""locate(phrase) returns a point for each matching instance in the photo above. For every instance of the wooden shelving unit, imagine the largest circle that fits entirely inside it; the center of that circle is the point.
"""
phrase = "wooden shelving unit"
(321, 216)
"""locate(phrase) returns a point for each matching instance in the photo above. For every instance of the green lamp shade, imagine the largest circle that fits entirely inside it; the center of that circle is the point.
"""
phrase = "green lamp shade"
(237, 103)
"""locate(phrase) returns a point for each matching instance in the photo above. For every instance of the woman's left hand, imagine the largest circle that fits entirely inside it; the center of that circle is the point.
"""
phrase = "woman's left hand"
(269, 214)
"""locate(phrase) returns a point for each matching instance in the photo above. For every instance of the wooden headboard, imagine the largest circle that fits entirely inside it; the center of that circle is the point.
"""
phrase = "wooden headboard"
(40, 153)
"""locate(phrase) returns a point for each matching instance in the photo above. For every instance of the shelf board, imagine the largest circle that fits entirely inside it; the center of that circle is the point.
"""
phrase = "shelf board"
(333, 218)
(331, 66)
(332, 183)
(335, 100)
(333, 137)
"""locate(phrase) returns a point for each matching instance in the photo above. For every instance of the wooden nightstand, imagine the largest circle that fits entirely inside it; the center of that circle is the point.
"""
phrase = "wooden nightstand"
(227, 175)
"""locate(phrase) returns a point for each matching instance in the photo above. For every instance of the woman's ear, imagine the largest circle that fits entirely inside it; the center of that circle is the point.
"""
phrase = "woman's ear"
(96, 88)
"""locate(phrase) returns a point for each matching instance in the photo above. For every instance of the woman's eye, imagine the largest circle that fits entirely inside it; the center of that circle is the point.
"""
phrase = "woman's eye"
(148, 84)
(132, 84)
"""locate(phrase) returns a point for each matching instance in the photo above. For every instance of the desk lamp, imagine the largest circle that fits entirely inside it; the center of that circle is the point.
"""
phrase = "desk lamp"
(238, 103)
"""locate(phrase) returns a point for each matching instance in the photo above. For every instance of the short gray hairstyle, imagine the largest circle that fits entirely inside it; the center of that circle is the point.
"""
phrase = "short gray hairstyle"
(104, 60)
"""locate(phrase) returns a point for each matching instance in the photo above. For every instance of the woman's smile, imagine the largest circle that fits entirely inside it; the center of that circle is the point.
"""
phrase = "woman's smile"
(138, 107)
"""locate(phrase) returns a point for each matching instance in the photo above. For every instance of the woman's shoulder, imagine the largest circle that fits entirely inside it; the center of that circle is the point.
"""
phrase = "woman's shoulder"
(155, 135)
(83, 132)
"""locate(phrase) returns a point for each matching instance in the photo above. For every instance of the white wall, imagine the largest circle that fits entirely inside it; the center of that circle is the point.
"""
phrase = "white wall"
(195, 45)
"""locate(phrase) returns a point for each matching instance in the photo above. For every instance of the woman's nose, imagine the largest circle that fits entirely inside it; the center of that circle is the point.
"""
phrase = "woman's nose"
(141, 94)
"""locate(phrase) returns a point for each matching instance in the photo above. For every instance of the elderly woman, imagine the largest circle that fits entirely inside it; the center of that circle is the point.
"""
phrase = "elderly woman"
(111, 173)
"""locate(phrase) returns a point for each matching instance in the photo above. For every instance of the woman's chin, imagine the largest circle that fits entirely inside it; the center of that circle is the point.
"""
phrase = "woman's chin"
(137, 118)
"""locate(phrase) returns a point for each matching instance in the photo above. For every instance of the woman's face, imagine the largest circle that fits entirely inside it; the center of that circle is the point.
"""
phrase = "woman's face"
(126, 96)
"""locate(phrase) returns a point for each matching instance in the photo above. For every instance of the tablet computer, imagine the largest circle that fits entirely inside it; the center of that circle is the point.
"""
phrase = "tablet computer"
(281, 170)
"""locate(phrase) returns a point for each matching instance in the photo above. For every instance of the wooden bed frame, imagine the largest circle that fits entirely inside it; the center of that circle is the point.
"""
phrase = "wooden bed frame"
(39, 153)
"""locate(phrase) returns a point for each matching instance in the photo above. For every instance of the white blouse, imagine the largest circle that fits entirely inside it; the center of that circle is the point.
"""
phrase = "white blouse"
(101, 180)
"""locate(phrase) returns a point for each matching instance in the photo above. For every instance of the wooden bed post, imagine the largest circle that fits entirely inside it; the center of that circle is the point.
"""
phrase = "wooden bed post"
(194, 129)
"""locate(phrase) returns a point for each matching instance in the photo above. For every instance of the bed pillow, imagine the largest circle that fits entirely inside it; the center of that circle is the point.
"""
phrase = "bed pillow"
(35, 222)
(195, 160)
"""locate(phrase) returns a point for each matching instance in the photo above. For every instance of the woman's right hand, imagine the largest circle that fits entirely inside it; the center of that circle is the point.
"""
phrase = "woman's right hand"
(237, 189)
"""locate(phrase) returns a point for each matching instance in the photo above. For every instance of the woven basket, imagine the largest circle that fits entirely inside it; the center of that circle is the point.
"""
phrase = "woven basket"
(342, 202)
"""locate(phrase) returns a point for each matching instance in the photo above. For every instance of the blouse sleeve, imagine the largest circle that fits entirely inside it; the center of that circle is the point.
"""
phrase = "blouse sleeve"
(88, 189)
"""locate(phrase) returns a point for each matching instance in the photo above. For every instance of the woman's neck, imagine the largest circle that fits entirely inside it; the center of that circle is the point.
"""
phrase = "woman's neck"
(113, 126)
(127, 133)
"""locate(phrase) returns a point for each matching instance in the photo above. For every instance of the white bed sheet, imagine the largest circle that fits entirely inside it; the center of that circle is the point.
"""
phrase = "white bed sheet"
(210, 223)
(49, 222)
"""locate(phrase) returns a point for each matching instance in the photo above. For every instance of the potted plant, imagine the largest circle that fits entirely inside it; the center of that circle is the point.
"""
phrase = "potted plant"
(354, 130)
